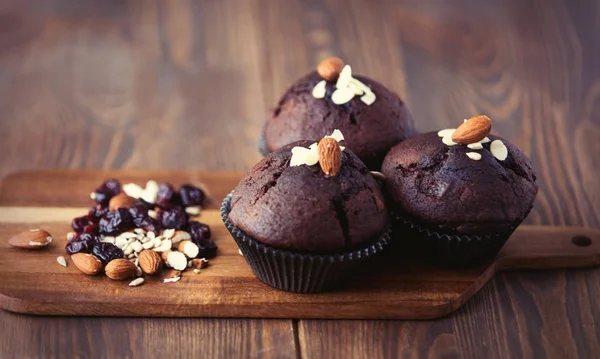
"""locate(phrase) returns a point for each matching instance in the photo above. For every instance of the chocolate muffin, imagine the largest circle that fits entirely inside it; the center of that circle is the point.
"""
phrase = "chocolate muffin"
(301, 229)
(458, 203)
(373, 118)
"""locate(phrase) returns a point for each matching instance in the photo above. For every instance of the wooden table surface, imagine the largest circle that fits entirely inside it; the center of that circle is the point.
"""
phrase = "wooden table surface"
(187, 84)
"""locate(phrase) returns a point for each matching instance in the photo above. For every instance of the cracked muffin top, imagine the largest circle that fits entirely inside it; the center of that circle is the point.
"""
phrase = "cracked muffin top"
(372, 118)
(296, 206)
(476, 188)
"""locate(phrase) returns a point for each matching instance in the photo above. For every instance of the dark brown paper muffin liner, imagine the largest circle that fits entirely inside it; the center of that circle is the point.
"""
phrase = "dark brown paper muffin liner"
(262, 145)
(432, 245)
(295, 271)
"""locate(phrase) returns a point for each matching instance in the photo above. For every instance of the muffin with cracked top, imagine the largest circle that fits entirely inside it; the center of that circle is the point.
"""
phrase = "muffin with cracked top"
(372, 118)
(458, 195)
(307, 214)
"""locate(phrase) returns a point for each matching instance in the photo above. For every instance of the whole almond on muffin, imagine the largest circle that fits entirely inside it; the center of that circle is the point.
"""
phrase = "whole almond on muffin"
(330, 68)
(474, 130)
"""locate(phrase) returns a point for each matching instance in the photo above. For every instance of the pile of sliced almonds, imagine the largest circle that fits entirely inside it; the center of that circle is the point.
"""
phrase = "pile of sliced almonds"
(333, 69)
(473, 133)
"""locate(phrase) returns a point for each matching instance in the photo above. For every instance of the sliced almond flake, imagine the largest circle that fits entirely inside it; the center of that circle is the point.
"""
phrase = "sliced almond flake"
(368, 98)
(240, 252)
(150, 192)
(447, 132)
(171, 280)
(128, 235)
(137, 246)
(109, 239)
(192, 210)
(70, 236)
(354, 82)
(319, 90)
(148, 245)
(131, 255)
(475, 146)
(157, 242)
(151, 235)
(165, 246)
(304, 156)
(336, 135)
(133, 190)
(139, 231)
(197, 271)
(152, 213)
(344, 78)
(474, 156)
(93, 196)
(357, 90)
(136, 282)
(485, 140)
(120, 242)
(131, 240)
(168, 233)
(447, 140)
(342, 96)
(128, 251)
(499, 150)
(62, 261)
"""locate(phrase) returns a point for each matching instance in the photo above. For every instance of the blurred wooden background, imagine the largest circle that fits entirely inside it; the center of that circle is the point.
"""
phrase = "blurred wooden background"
(187, 84)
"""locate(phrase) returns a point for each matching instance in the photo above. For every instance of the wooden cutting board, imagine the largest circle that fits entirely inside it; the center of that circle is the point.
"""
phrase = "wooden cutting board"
(390, 288)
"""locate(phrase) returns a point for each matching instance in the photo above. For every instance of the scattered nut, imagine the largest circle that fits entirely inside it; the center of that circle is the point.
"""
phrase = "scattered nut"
(136, 282)
(330, 68)
(119, 269)
(171, 280)
(32, 239)
(180, 236)
(62, 261)
(165, 245)
(168, 233)
(121, 201)
(87, 263)
(150, 262)
(197, 271)
(70, 236)
(193, 210)
(189, 248)
(176, 260)
(200, 263)
(172, 273)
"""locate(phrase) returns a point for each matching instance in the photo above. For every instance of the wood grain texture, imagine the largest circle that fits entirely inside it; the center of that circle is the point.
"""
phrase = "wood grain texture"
(391, 288)
(164, 84)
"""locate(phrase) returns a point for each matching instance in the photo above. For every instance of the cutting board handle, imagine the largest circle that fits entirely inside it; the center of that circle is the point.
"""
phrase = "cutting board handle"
(542, 247)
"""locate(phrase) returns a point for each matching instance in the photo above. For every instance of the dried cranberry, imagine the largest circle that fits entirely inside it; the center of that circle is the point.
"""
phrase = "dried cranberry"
(106, 191)
(98, 211)
(191, 195)
(115, 222)
(92, 229)
(83, 242)
(146, 223)
(208, 248)
(167, 193)
(138, 210)
(198, 231)
(80, 223)
(174, 218)
(106, 252)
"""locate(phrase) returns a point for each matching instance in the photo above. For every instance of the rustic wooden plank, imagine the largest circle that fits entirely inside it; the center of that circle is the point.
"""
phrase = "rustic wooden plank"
(392, 288)
(65, 337)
